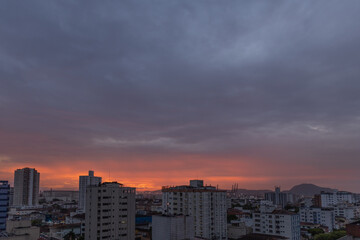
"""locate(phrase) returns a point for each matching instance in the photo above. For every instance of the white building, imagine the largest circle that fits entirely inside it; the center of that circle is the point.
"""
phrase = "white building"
(165, 227)
(346, 211)
(266, 206)
(322, 216)
(84, 182)
(329, 199)
(278, 223)
(110, 212)
(26, 187)
(206, 205)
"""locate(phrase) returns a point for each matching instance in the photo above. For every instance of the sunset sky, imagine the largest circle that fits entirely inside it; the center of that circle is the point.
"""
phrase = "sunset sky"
(153, 93)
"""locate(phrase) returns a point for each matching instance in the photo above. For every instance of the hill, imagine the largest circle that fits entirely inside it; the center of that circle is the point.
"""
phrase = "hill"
(308, 189)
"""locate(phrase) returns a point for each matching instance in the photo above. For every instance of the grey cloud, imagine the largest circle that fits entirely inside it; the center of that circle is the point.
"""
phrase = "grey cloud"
(234, 77)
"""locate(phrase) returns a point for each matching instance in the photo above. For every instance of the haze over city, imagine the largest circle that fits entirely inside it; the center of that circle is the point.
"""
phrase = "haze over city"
(154, 93)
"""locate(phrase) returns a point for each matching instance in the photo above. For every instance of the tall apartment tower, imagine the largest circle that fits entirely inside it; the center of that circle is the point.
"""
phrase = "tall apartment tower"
(26, 187)
(110, 212)
(4, 203)
(85, 181)
(205, 204)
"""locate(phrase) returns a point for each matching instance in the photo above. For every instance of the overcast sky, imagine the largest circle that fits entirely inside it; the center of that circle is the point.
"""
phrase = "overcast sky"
(154, 93)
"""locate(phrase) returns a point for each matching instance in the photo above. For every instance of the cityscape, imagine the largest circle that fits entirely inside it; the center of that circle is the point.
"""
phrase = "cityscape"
(180, 120)
(194, 210)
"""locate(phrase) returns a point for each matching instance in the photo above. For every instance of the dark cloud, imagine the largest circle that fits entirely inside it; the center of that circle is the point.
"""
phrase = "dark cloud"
(275, 81)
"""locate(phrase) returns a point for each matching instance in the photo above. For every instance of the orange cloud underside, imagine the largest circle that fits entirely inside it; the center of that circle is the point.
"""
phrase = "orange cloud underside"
(152, 174)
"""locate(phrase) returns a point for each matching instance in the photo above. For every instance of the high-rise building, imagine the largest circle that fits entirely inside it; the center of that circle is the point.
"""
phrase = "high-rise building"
(110, 212)
(205, 204)
(278, 223)
(279, 198)
(4, 203)
(166, 227)
(84, 182)
(26, 187)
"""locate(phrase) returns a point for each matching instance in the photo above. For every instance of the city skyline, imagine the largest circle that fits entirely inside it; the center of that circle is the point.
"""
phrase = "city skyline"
(258, 93)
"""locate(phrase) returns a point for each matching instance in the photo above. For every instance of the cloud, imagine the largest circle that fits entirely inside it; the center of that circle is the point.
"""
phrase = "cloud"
(275, 83)
(161, 142)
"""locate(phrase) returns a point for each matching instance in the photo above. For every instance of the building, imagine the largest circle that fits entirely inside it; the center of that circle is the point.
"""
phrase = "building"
(20, 230)
(205, 204)
(349, 212)
(59, 231)
(84, 182)
(66, 196)
(277, 223)
(352, 231)
(315, 215)
(279, 198)
(26, 187)
(238, 229)
(329, 199)
(4, 203)
(110, 212)
(165, 227)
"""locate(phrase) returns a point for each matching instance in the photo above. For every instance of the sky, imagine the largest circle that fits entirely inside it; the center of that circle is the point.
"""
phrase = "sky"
(154, 93)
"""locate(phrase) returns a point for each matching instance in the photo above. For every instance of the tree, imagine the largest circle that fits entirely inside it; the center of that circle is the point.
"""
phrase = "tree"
(36, 222)
(330, 236)
(70, 236)
(315, 231)
(231, 217)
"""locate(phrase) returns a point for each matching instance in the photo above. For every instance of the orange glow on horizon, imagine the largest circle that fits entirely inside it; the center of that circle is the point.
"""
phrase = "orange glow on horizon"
(149, 175)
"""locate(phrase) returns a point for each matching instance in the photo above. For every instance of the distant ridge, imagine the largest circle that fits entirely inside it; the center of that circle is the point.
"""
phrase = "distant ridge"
(308, 189)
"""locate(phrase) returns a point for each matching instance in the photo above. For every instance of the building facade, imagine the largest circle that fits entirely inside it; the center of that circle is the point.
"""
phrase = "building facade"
(26, 187)
(279, 198)
(62, 195)
(110, 212)
(329, 199)
(165, 227)
(21, 230)
(349, 212)
(278, 223)
(205, 204)
(322, 216)
(4, 203)
(84, 182)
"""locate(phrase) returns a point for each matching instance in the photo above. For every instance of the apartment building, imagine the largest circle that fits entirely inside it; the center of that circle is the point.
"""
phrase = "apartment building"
(4, 203)
(110, 212)
(277, 223)
(84, 182)
(205, 204)
(329, 199)
(26, 187)
(166, 227)
(315, 215)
